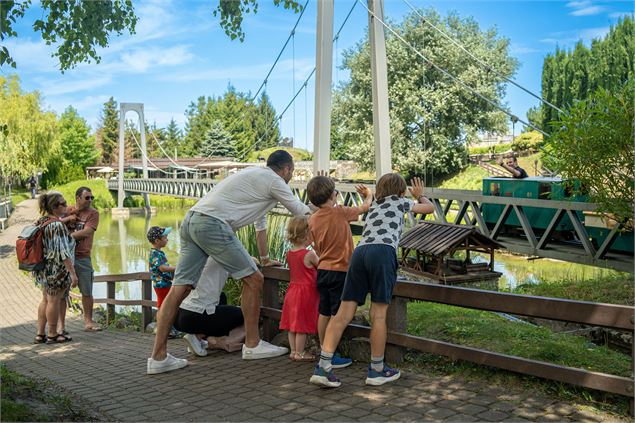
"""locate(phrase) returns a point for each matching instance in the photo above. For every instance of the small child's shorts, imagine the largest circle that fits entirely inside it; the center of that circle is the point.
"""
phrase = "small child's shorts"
(373, 269)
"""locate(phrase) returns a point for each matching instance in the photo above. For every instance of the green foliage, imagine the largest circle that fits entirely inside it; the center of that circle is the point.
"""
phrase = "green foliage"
(103, 197)
(249, 125)
(107, 133)
(593, 142)
(527, 141)
(76, 27)
(470, 177)
(611, 289)
(217, 142)
(431, 117)
(574, 75)
(18, 196)
(162, 202)
(535, 117)
(298, 154)
(78, 147)
(481, 329)
(28, 135)
(173, 137)
(492, 149)
(231, 14)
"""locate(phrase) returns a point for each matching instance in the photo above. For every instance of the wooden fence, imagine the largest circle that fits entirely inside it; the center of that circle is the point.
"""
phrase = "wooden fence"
(596, 314)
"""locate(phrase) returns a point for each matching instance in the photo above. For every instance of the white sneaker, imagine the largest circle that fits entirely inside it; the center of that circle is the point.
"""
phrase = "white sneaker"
(168, 364)
(204, 344)
(194, 345)
(263, 350)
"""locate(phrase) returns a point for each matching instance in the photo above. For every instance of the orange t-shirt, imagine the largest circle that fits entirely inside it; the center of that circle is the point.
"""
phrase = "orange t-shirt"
(332, 237)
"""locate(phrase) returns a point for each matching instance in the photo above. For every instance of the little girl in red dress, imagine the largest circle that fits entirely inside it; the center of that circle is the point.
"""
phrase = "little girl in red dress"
(300, 308)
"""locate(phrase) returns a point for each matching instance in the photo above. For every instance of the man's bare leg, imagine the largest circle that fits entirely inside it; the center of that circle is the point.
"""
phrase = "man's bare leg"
(323, 322)
(165, 319)
(250, 306)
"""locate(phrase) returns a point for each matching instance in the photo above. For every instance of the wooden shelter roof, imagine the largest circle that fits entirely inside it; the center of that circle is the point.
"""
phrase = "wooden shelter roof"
(438, 238)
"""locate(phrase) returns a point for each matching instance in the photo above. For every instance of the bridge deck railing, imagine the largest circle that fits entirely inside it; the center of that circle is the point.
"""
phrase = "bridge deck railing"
(463, 207)
(596, 314)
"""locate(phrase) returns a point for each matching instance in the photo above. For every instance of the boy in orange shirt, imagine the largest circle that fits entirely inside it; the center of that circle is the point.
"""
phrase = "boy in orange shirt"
(333, 242)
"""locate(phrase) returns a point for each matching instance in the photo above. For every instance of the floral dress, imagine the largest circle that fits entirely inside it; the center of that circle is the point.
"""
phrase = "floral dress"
(57, 246)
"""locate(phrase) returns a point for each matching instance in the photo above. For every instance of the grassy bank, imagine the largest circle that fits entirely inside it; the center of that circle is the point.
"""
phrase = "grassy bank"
(28, 400)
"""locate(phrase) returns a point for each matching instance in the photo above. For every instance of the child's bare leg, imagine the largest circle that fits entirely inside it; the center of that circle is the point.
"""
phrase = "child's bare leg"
(337, 325)
(292, 340)
(300, 343)
(378, 329)
(323, 322)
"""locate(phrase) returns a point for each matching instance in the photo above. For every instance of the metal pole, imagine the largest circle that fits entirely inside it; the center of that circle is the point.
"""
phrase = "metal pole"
(144, 152)
(379, 69)
(120, 192)
(323, 81)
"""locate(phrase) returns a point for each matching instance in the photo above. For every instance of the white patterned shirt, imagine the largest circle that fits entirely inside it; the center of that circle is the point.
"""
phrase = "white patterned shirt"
(385, 221)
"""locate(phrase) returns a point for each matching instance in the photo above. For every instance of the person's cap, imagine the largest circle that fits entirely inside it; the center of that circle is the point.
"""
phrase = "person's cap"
(157, 232)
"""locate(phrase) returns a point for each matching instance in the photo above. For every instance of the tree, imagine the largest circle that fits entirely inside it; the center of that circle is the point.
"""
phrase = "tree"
(217, 142)
(77, 145)
(265, 124)
(27, 133)
(431, 116)
(107, 134)
(79, 27)
(173, 138)
(594, 144)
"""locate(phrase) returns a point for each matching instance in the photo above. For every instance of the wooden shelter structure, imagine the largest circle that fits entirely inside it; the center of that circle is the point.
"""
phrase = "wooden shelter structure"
(434, 245)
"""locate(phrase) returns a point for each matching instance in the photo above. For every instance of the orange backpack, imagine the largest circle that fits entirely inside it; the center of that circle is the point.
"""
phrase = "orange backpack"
(29, 247)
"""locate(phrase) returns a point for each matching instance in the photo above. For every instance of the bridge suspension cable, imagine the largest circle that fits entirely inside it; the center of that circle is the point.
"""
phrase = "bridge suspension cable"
(448, 74)
(479, 61)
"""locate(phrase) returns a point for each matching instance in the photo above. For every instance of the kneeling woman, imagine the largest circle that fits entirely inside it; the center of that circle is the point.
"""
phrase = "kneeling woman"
(205, 317)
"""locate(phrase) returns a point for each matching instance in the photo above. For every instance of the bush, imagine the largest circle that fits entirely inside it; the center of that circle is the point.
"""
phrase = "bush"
(492, 149)
(527, 141)
(104, 199)
(298, 154)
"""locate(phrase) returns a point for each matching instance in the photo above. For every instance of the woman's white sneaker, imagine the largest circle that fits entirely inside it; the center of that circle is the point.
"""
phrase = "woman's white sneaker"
(168, 364)
(263, 350)
(194, 345)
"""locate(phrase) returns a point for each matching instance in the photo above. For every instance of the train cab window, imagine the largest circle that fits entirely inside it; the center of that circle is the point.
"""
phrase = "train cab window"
(495, 189)
(544, 191)
(569, 189)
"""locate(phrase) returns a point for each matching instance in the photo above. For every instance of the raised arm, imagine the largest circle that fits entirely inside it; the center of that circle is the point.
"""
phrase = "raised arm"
(423, 206)
(367, 194)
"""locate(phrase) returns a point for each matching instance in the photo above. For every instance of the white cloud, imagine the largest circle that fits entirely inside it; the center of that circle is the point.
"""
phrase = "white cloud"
(579, 4)
(74, 85)
(588, 11)
(568, 38)
(31, 55)
(142, 60)
(521, 49)
(615, 15)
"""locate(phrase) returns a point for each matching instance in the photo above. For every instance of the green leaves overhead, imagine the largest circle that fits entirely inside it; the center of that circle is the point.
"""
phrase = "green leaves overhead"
(231, 14)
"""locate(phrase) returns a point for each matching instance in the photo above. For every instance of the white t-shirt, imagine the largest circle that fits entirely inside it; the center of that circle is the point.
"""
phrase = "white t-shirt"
(206, 296)
(385, 220)
(247, 196)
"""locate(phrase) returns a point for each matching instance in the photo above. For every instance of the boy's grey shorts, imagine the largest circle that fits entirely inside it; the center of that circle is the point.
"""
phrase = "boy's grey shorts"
(203, 236)
(85, 275)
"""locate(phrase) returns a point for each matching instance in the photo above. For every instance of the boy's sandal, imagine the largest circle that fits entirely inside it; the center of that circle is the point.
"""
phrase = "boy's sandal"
(303, 356)
(58, 339)
(39, 339)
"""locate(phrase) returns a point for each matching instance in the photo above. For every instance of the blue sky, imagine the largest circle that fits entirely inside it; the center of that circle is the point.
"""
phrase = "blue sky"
(179, 52)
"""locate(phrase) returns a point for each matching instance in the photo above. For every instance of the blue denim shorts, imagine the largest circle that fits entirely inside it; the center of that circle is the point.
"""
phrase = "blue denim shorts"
(373, 269)
(203, 236)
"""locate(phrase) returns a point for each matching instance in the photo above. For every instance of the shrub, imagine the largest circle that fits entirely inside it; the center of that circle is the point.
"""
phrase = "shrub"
(104, 199)
(298, 154)
(527, 140)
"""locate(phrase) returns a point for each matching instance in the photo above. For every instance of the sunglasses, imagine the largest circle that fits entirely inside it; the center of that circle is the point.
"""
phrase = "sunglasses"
(89, 198)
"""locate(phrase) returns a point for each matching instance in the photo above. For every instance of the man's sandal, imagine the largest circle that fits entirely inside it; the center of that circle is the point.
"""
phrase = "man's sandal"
(58, 339)
(39, 339)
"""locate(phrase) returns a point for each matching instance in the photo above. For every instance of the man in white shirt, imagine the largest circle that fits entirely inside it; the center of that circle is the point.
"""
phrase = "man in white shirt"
(208, 230)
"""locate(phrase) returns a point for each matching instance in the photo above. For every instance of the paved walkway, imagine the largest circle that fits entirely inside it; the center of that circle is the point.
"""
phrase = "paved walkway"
(108, 370)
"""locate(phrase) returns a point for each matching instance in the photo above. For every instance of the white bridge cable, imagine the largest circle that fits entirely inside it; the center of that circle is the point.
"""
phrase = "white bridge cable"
(179, 172)
(448, 74)
(481, 62)
(303, 86)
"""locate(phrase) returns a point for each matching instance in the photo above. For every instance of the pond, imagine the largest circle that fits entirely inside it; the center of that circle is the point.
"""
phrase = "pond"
(121, 246)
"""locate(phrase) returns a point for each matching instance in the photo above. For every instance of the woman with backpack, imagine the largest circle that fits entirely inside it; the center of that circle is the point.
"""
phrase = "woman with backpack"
(58, 272)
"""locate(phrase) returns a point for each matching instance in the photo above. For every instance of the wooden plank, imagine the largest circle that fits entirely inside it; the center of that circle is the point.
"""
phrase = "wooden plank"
(124, 277)
(598, 314)
(112, 302)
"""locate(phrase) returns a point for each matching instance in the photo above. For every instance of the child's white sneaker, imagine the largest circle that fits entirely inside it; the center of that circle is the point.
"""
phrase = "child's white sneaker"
(194, 345)
(263, 350)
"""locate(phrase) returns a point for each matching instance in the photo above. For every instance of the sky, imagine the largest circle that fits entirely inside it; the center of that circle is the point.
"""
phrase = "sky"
(179, 52)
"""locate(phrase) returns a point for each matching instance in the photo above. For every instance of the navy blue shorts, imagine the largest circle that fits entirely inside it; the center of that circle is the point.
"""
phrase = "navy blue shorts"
(329, 285)
(373, 269)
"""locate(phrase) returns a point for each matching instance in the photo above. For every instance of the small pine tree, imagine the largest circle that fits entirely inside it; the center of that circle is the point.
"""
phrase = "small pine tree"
(107, 134)
(217, 142)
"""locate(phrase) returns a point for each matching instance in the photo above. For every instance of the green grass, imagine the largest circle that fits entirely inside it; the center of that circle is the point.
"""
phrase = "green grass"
(616, 289)
(470, 177)
(103, 197)
(298, 154)
(163, 202)
(27, 400)
(19, 196)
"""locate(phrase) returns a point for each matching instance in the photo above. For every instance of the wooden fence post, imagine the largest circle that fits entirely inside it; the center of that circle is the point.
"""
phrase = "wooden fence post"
(270, 299)
(110, 308)
(146, 310)
(397, 321)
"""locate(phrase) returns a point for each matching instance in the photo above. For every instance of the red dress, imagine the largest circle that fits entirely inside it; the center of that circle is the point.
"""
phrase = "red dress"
(300, 308)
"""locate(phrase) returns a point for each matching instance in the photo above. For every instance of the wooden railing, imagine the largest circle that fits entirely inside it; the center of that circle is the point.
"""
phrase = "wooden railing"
(145, 302)
(596, 314)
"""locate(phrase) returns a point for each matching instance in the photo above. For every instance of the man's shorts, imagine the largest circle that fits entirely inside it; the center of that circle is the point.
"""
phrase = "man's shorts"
(330, 284)
(373, 269)
(204, 236)
(85, 275)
